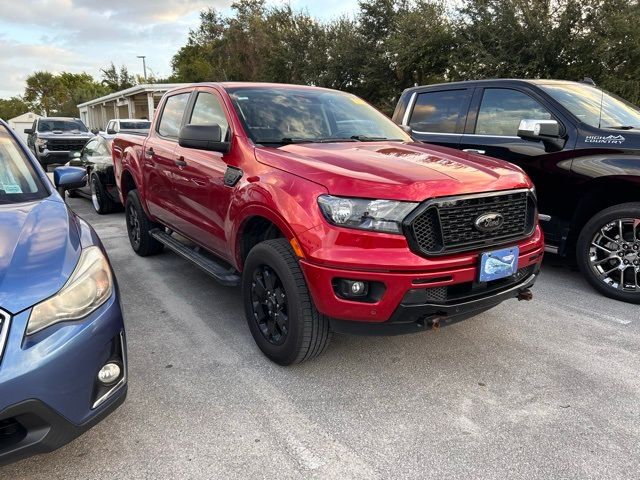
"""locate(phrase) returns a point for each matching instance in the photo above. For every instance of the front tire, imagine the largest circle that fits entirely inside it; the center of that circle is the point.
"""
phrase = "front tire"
(139, 226)
(280, 312)
(608, 252)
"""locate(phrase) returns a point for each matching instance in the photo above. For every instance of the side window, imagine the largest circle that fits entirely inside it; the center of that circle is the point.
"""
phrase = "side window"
(208, 111)
(502, 109)
(438, 112)
(102, 150)
(89, 148)
(172, 113)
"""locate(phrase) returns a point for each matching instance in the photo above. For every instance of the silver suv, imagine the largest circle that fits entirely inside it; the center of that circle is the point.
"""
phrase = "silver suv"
(52, 139)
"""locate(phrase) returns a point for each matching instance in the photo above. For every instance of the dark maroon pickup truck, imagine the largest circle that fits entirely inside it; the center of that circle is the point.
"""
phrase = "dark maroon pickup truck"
(326, 213)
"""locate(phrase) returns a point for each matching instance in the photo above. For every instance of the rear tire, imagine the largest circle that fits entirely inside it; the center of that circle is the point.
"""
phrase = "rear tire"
(139, 226)
(601, 265)
(296, 331)
(100, 199)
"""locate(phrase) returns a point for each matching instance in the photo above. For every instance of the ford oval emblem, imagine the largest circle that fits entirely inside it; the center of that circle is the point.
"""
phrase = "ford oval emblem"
(488, 222)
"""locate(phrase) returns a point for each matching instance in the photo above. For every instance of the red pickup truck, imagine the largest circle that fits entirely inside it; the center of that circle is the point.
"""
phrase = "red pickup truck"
(326, 213)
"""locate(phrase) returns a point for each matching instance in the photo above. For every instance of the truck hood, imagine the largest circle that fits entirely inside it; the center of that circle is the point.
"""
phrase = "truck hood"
(39, 248)
(60, 135)
(393, 170)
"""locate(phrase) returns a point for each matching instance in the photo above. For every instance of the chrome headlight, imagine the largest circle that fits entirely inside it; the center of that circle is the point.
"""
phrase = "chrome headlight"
(364, 214)
(89, 286)
(41, 142)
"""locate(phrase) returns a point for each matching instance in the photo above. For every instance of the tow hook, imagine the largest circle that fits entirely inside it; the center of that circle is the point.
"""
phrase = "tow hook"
(525, 295)
(434, 322)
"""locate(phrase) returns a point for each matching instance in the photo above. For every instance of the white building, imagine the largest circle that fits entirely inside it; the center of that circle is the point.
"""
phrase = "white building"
(135, 102)
(21, 122)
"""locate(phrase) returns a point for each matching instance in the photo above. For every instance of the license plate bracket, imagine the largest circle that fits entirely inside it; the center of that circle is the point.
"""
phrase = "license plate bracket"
(498, 264)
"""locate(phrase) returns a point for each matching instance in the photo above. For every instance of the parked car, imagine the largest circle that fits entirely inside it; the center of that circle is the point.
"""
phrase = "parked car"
(51, 139)
(131, 125)
(100, 186)
(63, 364)
(325, 213)
(579, 145)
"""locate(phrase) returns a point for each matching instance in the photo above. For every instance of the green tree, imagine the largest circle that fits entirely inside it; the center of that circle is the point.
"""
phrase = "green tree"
(45, 91)
(115, 80)
(12, 107)
(78, 88)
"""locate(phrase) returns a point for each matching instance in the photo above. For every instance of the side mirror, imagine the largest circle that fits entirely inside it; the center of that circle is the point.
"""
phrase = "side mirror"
(28, 131)
(74, 155)
(545, 131)
(69, 178)
(95, 131)
(203, 137)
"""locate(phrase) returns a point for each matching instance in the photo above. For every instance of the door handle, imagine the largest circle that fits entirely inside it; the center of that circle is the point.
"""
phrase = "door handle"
(473, 150)
(180, 162)
(149, 152)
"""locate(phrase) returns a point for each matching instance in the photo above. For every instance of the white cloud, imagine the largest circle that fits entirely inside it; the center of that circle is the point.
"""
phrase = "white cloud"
(87, 35)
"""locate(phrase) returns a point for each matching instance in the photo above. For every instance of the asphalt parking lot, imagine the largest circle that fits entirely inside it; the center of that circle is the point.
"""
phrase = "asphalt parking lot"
(542, 389)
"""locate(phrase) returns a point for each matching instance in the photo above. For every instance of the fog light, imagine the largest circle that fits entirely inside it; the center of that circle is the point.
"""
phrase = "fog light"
(109, 373)
(357, 288)
(351, 288)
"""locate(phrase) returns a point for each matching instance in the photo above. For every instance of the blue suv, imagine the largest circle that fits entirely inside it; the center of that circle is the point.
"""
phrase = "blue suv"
(63, 362)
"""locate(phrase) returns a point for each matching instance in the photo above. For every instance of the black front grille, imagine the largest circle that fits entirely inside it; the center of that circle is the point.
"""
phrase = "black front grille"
(66, 145)
(448, 224)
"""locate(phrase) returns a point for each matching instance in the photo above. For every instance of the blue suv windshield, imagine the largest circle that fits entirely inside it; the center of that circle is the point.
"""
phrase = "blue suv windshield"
(19, 181)
(594, 106)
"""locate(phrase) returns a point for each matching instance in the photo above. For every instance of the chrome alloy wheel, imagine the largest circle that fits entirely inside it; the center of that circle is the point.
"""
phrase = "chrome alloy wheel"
(614, 254)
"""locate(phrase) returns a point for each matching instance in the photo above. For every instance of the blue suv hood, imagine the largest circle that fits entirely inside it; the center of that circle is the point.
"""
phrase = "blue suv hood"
(39, 248)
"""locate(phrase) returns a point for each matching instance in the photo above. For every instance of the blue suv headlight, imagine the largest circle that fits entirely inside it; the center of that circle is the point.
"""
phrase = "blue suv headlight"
(89, 286)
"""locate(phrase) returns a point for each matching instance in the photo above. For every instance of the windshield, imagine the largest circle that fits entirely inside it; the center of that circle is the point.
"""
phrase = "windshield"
(50, 125)
(135, 125)
(280, 115)
(584, 102)
(18, 179)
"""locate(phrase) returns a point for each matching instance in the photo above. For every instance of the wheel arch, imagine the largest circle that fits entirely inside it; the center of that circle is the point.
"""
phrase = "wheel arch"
(601, 193)
(257, 223)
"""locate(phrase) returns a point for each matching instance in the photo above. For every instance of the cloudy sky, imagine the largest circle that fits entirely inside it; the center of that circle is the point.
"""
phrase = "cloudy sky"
(85, 35)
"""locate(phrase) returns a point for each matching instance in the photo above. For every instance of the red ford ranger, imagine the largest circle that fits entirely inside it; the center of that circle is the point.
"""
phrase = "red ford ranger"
(326, 213)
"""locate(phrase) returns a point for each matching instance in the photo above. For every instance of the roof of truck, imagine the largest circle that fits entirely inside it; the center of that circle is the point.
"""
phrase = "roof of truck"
(533, 81)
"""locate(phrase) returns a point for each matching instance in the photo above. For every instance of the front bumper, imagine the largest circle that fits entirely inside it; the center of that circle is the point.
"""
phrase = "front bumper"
(48, 389)
(50, 157)
(456, 274)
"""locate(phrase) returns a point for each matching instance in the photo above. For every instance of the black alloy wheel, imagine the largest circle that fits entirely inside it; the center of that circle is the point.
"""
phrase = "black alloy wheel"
(609, 252)
(269, 302)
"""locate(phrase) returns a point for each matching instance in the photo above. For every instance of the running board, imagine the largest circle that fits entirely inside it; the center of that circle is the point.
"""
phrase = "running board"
(224, 275)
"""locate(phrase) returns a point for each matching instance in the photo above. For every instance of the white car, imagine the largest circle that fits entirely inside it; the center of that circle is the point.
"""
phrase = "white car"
(127, 124)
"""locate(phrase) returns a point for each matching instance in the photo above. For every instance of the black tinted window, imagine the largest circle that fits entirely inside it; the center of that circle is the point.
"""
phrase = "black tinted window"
(502, 110)
(172, 115)
(208, 111)
(142, 125)
(438, 112)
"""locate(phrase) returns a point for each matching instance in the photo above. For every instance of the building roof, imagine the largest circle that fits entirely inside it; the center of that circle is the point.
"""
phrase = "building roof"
(25, 117)
(149, 87)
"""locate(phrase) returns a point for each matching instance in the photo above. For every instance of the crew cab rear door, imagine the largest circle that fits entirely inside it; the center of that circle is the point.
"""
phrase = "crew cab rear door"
(159, 161)
(437, 115)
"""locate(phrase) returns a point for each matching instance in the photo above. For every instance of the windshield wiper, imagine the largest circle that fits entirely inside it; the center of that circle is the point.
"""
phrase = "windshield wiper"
(365, 138)
(622, 127)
